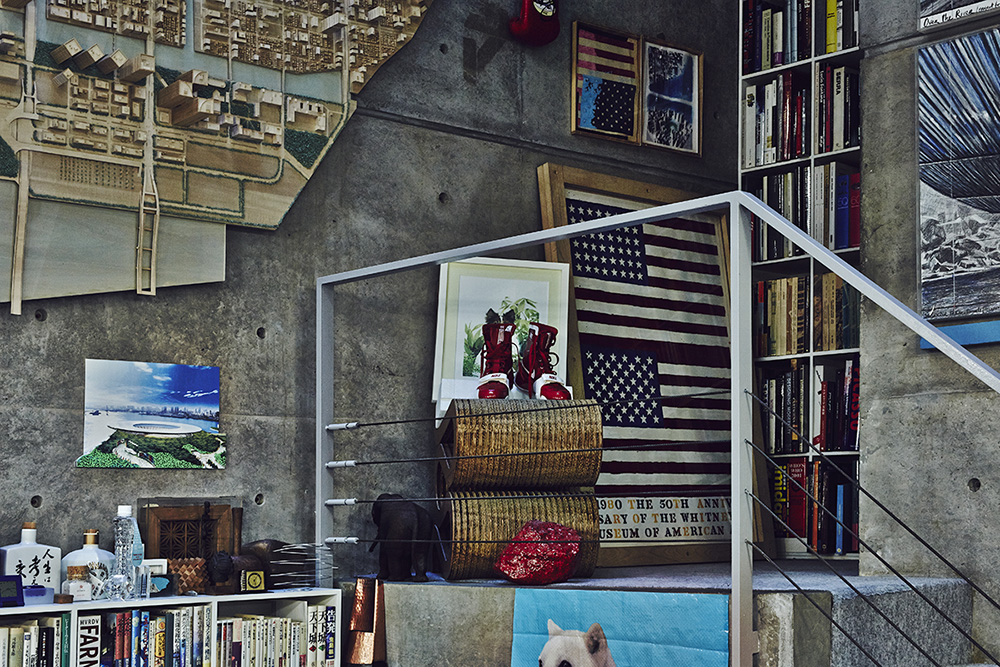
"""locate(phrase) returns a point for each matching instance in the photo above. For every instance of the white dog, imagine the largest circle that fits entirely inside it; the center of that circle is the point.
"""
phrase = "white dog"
(572, 648)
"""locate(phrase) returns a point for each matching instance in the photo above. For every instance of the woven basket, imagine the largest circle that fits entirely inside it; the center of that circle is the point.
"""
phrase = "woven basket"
(506, 435)
(479, 525)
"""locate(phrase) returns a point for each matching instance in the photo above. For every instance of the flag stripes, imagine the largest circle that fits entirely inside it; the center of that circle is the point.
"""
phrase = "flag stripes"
(652, 323)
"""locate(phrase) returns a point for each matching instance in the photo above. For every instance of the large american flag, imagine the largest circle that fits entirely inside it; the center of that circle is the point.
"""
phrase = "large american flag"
(652, 320)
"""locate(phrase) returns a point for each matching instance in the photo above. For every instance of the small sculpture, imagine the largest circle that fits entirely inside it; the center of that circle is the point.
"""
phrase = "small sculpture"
(404, 538)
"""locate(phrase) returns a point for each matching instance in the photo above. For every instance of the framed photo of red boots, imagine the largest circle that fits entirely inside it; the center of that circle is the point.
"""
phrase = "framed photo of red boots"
(498, 331)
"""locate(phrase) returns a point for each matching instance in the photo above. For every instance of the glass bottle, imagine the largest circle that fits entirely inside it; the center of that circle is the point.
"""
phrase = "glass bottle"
(38, 564)
(98, 562)
(77, 583)
(128, 555)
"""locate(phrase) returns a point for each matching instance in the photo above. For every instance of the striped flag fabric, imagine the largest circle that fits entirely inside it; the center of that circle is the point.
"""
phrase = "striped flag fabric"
(607, 75)
(652, 322)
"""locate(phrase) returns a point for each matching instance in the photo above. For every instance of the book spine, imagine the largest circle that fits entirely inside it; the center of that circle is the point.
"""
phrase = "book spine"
(15, 654)
(797, 510)
(88, 641)
(831, 26)
(777, 38)
(854, 210)
(779, 498)
(839, 532)
(330, 630)
(766, 39)
(159, 650)
(144, 638)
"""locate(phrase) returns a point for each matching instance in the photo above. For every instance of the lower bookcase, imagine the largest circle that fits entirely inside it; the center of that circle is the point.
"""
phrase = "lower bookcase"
(289, 628)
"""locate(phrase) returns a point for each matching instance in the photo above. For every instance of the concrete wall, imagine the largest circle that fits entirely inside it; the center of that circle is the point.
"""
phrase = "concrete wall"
(928, 429)
(441, 152)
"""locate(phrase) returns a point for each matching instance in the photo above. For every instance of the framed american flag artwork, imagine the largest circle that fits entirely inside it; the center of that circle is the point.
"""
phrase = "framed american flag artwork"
(606, 81)
(649, 341)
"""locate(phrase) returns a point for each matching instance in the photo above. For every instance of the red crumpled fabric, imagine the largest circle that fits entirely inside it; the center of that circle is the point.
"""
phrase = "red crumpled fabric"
(541, 553)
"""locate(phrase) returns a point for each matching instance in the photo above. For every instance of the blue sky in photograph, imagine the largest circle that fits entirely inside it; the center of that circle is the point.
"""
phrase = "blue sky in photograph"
(123, 383)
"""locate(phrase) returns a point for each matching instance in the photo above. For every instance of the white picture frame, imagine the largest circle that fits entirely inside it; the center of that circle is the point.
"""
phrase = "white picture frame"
(469, 288)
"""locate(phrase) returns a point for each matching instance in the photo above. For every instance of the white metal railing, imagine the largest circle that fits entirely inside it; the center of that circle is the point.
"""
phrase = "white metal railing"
(739, 206)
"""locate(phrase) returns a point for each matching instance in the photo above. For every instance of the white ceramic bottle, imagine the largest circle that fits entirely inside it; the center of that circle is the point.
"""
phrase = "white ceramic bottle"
(38, 564)
(97, 560)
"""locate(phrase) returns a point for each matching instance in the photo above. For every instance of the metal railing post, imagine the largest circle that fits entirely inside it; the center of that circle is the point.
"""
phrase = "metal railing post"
(742, 639)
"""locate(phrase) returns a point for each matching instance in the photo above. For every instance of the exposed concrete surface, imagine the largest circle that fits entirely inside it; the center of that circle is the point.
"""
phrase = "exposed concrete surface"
(929, 447)
(442, 152)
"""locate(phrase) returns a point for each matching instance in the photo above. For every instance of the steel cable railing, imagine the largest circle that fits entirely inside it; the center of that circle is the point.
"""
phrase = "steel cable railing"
(816, 502)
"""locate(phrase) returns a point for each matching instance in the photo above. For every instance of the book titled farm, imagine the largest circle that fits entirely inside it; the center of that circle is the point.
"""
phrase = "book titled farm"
(88, 641)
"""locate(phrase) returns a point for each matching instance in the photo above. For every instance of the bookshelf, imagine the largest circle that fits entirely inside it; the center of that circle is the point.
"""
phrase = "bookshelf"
(283, 619)
(800, 153)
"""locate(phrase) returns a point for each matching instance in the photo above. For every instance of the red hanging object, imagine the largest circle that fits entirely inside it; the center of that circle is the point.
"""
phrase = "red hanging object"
(538, 23)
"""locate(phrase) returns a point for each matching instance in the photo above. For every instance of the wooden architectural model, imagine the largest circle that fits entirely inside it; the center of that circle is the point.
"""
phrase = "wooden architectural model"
(168, 142)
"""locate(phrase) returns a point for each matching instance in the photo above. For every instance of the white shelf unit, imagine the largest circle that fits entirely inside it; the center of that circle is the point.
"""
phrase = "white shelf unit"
(803, 153)
(291, 603)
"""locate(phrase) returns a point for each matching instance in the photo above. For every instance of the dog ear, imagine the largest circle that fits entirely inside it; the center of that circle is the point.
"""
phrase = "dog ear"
(595, 638)
(554, 629)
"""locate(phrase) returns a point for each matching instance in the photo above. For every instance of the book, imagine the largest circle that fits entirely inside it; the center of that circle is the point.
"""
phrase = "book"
(15, 647)
(4, 646)
(854, 210)
(330, 633)
(144, 653)
(841, 518)
(197, 635)
(160, 641)
(133, 638)
(831, 26)
(65, 645)
(777, 38)
(88, 641)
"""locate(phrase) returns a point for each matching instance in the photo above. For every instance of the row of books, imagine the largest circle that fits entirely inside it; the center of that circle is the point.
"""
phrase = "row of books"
(42, 642)
(838, 101)
(181, 637)
(828, 521)
(841, 26)
(776, 33)
(265, 641)
(784, 324)
(796, 407)
(822, 200)
(776, 120)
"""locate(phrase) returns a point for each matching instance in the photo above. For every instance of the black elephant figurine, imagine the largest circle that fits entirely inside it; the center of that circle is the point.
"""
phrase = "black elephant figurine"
(404, 538)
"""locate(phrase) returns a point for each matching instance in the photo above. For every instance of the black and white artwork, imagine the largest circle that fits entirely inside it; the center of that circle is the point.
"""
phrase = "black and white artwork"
(959, 167)
(671, 109)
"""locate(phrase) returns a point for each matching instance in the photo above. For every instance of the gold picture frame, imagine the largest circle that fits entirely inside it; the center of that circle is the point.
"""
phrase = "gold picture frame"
(557, 185)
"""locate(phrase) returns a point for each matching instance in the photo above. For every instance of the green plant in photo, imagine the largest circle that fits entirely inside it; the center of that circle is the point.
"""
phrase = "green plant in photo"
(525, 312)
(472, 345)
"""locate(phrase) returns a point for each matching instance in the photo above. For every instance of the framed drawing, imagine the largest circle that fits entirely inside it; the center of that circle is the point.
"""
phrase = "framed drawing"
(664, 314)
(959, 192)
(533, 291)
(605, 83)
(672, 89)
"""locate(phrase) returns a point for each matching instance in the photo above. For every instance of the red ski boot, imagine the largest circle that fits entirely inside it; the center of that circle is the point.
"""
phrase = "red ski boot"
(496, 370)
(534, 373)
